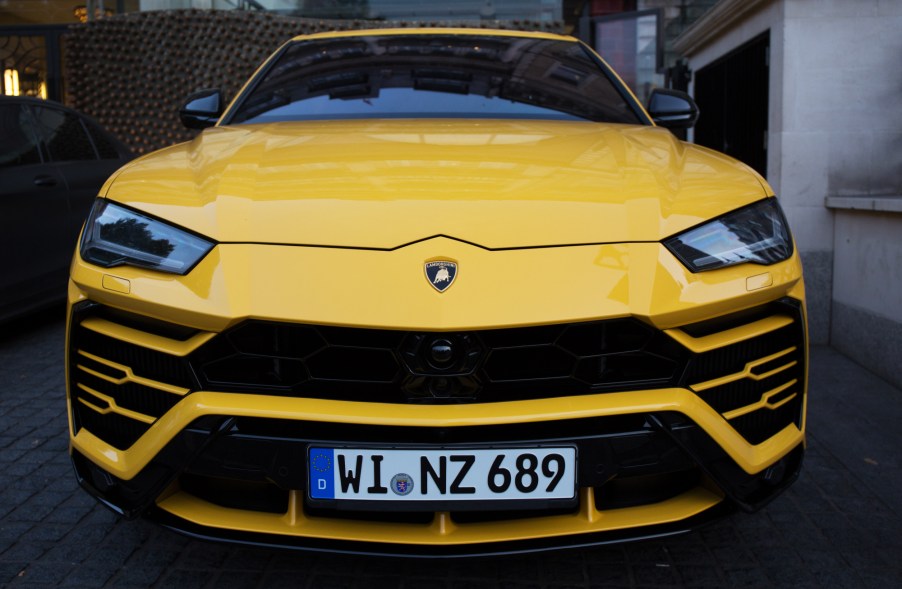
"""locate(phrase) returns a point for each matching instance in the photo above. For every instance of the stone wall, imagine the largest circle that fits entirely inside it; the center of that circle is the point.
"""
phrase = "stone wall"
(867, 285)
(131, 72)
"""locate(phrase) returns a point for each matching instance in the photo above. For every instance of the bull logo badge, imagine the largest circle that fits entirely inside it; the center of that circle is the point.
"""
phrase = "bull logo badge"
(441, 274)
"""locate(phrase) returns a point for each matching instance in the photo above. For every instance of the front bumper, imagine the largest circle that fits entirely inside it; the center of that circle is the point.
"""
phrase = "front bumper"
(192, 399)
(241, 479)
(722, 430)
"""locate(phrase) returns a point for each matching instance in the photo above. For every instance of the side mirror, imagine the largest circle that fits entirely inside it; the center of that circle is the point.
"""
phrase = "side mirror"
(672, 109)
(202, 109)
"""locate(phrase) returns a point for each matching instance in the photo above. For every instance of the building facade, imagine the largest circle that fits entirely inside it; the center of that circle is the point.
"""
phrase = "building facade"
(831, 143)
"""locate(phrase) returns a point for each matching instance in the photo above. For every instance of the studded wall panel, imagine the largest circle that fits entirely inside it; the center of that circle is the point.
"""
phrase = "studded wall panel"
(131, 72)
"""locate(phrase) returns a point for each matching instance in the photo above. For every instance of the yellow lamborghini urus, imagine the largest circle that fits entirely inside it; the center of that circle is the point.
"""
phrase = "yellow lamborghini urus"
(435, 293)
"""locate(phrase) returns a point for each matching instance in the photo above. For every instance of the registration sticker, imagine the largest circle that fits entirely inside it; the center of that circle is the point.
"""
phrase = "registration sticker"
(442, 475)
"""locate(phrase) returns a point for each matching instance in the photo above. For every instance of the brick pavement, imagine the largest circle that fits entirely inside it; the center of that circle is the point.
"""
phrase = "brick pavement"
(839, 526)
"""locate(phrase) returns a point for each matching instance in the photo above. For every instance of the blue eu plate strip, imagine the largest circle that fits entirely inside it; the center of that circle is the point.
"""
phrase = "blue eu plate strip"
(322, 473)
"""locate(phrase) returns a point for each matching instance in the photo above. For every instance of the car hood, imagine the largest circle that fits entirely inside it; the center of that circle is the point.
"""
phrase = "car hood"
(383, 184)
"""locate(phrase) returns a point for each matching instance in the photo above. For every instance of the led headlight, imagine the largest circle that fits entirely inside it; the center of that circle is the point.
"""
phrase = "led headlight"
(757, 233)
(115, 236)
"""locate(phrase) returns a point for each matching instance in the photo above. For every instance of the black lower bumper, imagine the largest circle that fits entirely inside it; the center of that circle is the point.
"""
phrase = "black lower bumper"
(193, 530)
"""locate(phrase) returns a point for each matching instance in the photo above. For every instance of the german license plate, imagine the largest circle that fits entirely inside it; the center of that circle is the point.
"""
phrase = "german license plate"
(508, 474)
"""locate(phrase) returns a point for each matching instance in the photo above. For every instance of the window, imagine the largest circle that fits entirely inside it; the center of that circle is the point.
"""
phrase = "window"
(104, 146)
(64, 135)
(429, 76)
(20, 145)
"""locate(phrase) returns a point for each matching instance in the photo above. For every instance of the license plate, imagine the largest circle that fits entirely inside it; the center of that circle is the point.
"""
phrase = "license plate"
(507, 474)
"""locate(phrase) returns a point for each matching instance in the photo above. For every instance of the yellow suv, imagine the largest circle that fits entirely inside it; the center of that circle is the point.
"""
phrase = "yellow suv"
(435, 292)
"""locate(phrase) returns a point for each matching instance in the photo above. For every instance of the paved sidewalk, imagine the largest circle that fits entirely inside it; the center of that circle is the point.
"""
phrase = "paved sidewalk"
(840, 525)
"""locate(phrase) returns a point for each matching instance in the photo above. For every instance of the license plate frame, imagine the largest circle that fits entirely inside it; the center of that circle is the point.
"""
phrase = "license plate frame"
(372, 474)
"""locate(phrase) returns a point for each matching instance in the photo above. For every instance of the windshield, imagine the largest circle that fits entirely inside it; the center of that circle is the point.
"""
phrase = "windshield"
(435, 76)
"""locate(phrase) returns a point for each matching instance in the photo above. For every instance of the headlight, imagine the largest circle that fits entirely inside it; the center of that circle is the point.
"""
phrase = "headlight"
(757, 233)
(115, 235)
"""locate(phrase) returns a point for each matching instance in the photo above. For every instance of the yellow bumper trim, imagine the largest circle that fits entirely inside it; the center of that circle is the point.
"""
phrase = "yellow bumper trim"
(147, 340)
(112, 407)
(729, 336)
(748, 371)
(441, 531)
(765, 402)
(130, 376)
(125, 464)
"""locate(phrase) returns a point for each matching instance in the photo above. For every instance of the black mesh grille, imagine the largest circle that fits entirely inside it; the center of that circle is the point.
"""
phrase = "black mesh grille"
(746, 392)
(402, 367)
(760, 425)
(116, 430)
(118, 426)
(392, 366)
(731, 359)
(131, 396)
(789, 344)
(143, 361)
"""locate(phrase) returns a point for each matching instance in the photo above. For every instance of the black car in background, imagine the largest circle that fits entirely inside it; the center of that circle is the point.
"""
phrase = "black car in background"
(53, 162)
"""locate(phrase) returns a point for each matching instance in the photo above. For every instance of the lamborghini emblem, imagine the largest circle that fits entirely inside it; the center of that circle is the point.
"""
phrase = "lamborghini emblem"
(441, 274)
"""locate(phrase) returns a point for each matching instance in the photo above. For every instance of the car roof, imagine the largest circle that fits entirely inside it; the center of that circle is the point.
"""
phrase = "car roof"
(38, 102)
(4, 98)
(399, 32)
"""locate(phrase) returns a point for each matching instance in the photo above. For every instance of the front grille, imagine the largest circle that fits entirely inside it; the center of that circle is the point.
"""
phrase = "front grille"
(148, 362)
(118, 389)
(387, 366)
(757, 384)
(126, 372)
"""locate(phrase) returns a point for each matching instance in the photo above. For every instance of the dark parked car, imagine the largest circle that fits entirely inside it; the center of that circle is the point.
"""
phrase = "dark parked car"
(53, 162)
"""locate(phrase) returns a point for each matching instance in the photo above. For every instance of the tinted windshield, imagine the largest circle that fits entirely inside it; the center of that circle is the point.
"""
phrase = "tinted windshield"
(435, 76)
